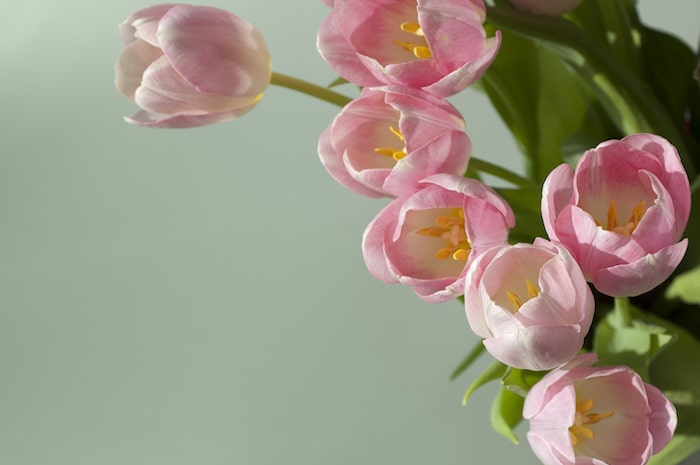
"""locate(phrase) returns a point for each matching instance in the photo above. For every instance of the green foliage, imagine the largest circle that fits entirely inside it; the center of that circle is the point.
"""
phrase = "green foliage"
(471, 357)
(507, 413)
(686, 287)
(492, 373)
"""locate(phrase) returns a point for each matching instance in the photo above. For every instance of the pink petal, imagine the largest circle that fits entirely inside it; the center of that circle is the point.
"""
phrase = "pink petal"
(145, 119)
(374, 239)
(215, 51)
(557, 193)
(131, 64)
(662, 420)
(642, 275)
(143, 24)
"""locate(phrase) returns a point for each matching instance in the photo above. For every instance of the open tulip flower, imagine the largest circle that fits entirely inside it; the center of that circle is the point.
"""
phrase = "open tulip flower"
(581, 414)
(439, 46)
(530, 303)
(426, 239)
(622, 213)
(386, 141)
(188, 66)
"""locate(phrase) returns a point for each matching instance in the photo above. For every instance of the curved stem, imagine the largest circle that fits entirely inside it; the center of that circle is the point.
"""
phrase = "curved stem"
(641, 110)
(623, 311)
(484, 166)
(322, 93)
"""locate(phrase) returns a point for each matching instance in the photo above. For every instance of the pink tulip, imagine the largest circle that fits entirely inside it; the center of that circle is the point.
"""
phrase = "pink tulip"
(546, 7)
(581, 414)
(428, 238)
(188, 66)
(439, 46)
(530, 303)
(386, 141)
(621, 213)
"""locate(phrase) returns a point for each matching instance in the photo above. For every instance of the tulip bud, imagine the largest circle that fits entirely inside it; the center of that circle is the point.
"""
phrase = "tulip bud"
(188, 66)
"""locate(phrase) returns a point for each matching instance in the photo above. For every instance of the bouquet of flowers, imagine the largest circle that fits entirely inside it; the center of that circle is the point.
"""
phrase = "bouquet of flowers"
(580, 274)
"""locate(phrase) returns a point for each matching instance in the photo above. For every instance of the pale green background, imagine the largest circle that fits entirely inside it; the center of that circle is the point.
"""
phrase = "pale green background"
(199, 296)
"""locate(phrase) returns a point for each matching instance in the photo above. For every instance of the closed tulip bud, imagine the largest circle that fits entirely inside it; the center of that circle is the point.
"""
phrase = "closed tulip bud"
(188, 66)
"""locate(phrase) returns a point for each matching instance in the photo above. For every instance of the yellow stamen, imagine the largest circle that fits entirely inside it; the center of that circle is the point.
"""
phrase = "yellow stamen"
(451, 229)
(628, 228)
(532, 290)
(413, 28)
(514, 301)
(396, 154)
(396, 132)
(580, 428)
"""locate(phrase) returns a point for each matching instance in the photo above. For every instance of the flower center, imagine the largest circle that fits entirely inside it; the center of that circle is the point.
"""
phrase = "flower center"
(396, 154)
(580, 427)
(626, 229)
(514, 299)
(451, 229)
(419, 49)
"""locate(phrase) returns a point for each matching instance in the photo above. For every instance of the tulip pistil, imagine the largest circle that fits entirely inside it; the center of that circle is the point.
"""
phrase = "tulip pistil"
(396, 154)
(451, 229)
(514, 299)
(628, 228)
(580, 429)
(418, 50)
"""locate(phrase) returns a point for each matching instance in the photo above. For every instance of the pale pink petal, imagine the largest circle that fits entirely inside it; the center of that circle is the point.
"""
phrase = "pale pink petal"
(131, 64)
(641, 275)
(374, 240)
(216, 51)
(151, 120)
(143, 24)
(663, 419)
(557, 193)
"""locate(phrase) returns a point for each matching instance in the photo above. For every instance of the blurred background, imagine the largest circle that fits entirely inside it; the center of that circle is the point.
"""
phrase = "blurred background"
(199, 296)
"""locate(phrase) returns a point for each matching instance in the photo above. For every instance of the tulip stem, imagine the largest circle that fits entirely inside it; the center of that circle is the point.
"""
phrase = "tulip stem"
(623, 310)
(308, 88)
(484, 166)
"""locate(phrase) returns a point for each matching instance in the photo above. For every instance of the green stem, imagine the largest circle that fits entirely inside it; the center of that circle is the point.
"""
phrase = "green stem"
(622, 310)
(484, 166)
(308, 88)
(641, 112)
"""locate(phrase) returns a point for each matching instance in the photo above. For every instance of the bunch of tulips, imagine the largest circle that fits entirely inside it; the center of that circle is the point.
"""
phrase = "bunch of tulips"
(561, 289)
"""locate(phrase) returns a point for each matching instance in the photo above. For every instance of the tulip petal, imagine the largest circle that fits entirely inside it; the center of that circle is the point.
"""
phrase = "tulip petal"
(143, 24)
(642, 275)
(151, 120)
(662, 420)
(215, 51)
(131, 64)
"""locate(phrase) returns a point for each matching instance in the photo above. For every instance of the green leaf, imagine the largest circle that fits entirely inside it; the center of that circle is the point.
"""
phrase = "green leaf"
(633, 343)
(525, 203)
(471, 357)
(507, 413)
(520, 381)
(675, 371)
(337, 82)
(686, 287)
(493, 372)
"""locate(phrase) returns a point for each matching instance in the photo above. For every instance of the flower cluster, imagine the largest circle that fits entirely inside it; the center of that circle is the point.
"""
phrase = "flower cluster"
(615, 220)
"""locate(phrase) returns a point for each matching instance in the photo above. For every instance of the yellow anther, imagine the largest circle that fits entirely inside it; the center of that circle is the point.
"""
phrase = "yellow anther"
(532, 290)
(386, 151)
(431, 232)
(399, 155)
(461, 255)
(443, 253)
(396, 132)
(612, 216)
(413, 28)
(514, 301)
(419, 51)
(580, 429)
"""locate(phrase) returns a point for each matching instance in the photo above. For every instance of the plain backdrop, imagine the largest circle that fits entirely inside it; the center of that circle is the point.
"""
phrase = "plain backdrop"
(198, 296)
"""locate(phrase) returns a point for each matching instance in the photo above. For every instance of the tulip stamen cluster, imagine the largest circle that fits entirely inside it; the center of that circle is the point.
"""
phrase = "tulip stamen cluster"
(421, 51)
(396, 154)
(532, 292)
(627, 229)
(580, 428)
(450, 228)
